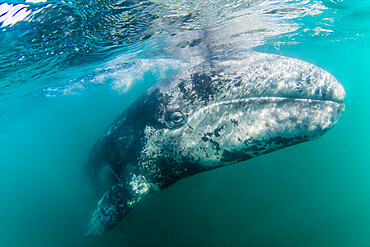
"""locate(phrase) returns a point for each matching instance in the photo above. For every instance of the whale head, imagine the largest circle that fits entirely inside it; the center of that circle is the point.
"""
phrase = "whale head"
(230, 110)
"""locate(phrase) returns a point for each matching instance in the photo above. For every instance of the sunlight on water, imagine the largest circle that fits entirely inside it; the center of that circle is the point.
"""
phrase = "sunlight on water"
(70, 68)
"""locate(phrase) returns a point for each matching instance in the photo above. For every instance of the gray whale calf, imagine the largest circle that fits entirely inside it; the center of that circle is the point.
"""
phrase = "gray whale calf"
(220, 112)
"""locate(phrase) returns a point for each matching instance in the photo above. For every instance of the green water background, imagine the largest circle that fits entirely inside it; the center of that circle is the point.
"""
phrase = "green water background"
(312, 194)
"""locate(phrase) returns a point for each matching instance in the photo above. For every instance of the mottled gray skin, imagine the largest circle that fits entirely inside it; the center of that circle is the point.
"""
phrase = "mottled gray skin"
(220, 112)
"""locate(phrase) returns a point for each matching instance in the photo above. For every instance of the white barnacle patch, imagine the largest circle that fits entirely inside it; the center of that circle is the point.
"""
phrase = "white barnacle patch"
(132, 202)
(159, 144)
(154, 139)
(139, 184)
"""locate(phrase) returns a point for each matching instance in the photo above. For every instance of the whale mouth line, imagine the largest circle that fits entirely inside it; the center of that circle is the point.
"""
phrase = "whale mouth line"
(338, 104)
(278, 98)
(299, 99)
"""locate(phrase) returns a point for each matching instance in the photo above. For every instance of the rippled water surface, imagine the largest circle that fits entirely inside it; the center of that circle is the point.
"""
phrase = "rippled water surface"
(69, 68)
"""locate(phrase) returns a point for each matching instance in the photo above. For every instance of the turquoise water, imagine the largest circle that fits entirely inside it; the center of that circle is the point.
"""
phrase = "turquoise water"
(55, 107)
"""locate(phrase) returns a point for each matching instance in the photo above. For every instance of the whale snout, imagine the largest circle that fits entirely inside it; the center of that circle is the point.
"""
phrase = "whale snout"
(331, 96)
(326, 87)
(338, 92)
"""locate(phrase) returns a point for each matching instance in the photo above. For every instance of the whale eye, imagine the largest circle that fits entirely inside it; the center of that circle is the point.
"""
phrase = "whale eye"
(177, 117)
(174, 118)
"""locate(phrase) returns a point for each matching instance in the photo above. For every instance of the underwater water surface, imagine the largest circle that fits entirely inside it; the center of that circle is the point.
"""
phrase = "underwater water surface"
(69, 68)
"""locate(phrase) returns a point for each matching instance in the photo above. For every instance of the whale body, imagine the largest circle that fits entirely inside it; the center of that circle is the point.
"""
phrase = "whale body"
(220, 112)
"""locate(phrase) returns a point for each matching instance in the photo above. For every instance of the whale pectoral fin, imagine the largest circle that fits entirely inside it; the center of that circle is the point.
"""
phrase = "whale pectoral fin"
(114, 205)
